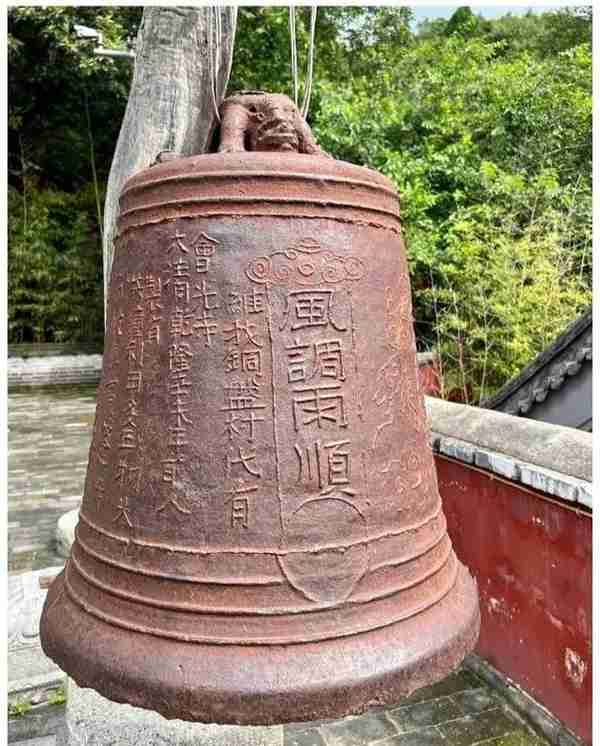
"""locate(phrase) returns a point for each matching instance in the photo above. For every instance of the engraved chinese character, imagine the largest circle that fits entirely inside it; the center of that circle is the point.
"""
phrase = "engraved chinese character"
(180, 414)
(209, 297)
(128, 476)
(319, 404)
(233, 361)
(153, 333)
(338, 462)
(181, 323)
(136, 285)
(179, 280)
(309, 308)
(177, 502)
(252, 361)
(243, 395)
(204, 248)
(137, 325)
(238, 331)
(121, 471)
(181, 268)
(254, 301)
(133, 352)
(100, 489)
(152, 286)
(177, 243)
(129, 435)
(111, 393)
(134, 380)
(178, 386)
(242, 425)
(297, 365)
(328, 465)
(181, 290)
(180, 356)
(234, 303)
(107, 429)
(239, 512)
(202, 264)
(204, 328)
(123, 514)
(170, 467)
(247, 460)
(247, 361)
(328, 359)
(240, 505)
(131, 409)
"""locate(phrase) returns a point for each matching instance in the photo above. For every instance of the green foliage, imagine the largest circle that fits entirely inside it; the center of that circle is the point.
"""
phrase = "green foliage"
(57, 696)
(349, 41)
(507, 283)
(58, 164)
(465, 23)
(49, 73)
(19, 709)
(491, 155)
(543, 34)
(483, 125)
(54, 266)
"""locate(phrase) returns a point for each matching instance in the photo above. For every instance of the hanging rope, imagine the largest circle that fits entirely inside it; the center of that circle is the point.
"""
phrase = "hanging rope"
(294, 52)
(310, 61)
(214, 54)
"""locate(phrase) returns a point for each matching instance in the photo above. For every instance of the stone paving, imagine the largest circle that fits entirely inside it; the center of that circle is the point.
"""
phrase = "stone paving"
(461, 710)
(49, 436)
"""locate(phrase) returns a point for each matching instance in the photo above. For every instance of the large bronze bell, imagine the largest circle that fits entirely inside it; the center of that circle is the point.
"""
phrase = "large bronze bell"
(261, 538)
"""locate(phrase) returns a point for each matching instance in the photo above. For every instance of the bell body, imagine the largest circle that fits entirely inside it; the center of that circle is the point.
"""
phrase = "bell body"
(261, 538)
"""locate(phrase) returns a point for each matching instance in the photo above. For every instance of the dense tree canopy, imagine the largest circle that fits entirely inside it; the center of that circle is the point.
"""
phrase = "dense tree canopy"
(483, 125)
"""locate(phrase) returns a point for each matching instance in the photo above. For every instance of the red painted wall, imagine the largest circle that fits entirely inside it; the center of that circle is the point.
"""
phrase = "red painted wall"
(533, 562)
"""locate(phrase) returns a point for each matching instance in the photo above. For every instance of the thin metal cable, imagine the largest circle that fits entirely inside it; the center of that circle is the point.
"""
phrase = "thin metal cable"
(310, 63)
(294, 51)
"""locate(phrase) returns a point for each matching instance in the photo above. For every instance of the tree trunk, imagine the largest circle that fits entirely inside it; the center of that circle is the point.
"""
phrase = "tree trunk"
(170, 104)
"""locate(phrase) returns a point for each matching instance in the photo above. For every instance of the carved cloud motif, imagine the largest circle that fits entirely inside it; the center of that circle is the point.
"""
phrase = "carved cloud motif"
(304, 263)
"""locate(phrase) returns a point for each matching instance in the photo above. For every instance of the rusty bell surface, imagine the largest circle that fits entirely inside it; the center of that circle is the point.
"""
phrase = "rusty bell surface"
(261, 537)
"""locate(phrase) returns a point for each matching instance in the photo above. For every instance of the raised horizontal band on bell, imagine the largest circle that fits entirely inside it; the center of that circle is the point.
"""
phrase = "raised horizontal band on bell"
(254, 600)
(228, 581)
(235, 175)
(257, 597)
(286, 629)
(274, 551)
(257, 199)
(251, 578)
(205, 214)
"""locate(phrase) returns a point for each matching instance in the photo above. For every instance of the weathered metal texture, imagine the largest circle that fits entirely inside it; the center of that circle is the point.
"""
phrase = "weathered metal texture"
(261, 538)
(533, 561)
(259, 121)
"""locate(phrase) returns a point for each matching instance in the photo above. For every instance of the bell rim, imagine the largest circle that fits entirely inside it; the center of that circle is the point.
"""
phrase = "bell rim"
(262, 684)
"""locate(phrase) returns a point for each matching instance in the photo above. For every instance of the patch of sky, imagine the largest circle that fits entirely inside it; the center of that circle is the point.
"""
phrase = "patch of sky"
(431, 12)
